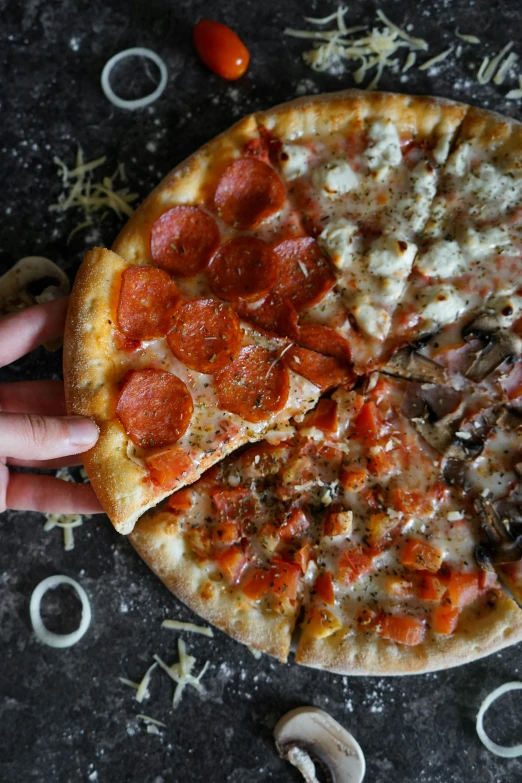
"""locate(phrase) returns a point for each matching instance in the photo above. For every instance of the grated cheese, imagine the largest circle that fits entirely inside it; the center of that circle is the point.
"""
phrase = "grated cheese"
(142, 688)
(177, 625)
(488, 68)
(67, 522)
(505, 68)
(80, 190)
(181, 672)
(151, 721)
(375, 50)
(410, 61)
(472, 39)
(434, 60)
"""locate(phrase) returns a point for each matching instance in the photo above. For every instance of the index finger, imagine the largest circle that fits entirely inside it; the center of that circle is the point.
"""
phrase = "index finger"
(23, 331)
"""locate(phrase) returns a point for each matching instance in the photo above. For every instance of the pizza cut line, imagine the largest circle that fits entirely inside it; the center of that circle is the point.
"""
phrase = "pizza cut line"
(335, 281)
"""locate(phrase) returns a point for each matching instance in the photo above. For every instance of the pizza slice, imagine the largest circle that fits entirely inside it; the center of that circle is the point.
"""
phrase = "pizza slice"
(349, 529)
(362, 169)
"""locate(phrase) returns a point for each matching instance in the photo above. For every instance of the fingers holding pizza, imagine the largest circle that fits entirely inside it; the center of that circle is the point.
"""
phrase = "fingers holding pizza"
(35, 429)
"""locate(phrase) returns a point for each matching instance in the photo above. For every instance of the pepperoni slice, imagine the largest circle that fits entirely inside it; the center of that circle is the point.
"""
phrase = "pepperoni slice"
(147, 298)
(183, 240)
(243, 268)
(305, 272)
(275, 315)
(206, 335)
(155, 408)
(253, 386)
(248, 191)
(324, 371)
(325, 340)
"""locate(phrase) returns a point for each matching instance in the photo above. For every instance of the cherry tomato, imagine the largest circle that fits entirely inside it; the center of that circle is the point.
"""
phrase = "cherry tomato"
(220, 49)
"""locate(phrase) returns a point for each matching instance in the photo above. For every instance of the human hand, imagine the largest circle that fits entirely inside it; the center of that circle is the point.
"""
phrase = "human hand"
(35, 430)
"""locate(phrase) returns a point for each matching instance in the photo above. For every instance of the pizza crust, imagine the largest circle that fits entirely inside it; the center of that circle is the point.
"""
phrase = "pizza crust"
(368, 654)
(161, 545)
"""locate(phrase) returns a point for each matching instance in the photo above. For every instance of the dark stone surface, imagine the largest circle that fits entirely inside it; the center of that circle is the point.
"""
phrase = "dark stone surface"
(64, 716)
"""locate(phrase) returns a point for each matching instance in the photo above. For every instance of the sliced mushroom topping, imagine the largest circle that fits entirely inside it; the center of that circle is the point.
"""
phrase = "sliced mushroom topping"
(30, 281)
(509, 419)
(500, 345)
(444, 436)
(308, 736)
(407, 363)
(504, 534)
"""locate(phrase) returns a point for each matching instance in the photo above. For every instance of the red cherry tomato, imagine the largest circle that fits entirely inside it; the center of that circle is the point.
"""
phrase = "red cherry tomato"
(220, 49)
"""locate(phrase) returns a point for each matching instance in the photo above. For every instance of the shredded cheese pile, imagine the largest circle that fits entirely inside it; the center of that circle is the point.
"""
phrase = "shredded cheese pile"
(376, 49)
(380, 47)
(81, 191)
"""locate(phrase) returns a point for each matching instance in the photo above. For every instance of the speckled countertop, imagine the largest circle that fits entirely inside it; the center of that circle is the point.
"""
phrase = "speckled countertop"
(64, 716)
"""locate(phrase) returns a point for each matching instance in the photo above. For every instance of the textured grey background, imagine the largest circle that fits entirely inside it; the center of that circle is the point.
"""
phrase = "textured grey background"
(63, 714)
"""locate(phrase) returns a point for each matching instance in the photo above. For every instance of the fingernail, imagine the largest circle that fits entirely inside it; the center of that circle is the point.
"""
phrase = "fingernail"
(82, 431)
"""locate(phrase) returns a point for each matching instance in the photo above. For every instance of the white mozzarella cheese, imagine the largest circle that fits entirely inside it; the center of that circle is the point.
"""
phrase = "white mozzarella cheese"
(391, 256)
(443, 259)
(491, 192)
(441, 150)
(479, 244)
(294, 160)
(458, 162)
(424, 188)
(443, 305)
(385, 149)
(373, 320)
(335, 178)
(338, 241)
(391, 289)
(507, 308)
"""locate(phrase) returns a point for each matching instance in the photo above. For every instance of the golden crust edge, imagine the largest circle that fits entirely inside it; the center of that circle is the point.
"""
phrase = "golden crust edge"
(182, 576)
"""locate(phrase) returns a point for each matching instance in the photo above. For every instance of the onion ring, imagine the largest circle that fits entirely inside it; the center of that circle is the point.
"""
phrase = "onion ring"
(46, 636)
(498, 750)
(138, 103)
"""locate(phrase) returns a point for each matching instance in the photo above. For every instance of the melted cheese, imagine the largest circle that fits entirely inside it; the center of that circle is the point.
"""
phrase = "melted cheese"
(338, 239)
(375, 321)
(335, 178)
(385, 148)
(391, 256)
(443, 305)
(443, 259)
(293, 160)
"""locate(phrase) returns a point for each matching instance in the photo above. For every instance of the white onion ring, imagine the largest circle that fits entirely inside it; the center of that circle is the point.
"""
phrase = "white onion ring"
(57, 639)
(138, 103)
(498, 750)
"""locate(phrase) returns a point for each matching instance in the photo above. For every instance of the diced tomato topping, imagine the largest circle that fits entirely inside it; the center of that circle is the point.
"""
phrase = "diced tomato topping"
(227, 532)
(353, 479)
(409, 502)
(320, 623)
(281, 578)
(403, 630)
(323, 588)
(168, 467)
(398, 587)
(380, 462)
(444, 619)
(302, 557)
(463, 588)
(235, 504)
(367, 424)
(354, 563)
(181, 500)
(338, 523)
(371, 496)
(430, 587)
(295, 522)
(421, 556)
(380, 525)
(324, 417)
(231, 562)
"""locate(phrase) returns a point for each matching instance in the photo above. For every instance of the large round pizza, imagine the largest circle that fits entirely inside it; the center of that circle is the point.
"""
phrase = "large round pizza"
(303, 354)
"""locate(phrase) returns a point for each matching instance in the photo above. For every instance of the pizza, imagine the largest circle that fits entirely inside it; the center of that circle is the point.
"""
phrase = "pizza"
(303, 355)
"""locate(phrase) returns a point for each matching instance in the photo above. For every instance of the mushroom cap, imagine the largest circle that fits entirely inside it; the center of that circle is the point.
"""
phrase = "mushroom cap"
(31, 280)
(307, 734)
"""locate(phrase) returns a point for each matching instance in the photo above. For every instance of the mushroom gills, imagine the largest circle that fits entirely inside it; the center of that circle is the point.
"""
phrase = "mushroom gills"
(501, 345)
(410, 365)
(442, 434)
(504, 543)
(307, 735)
